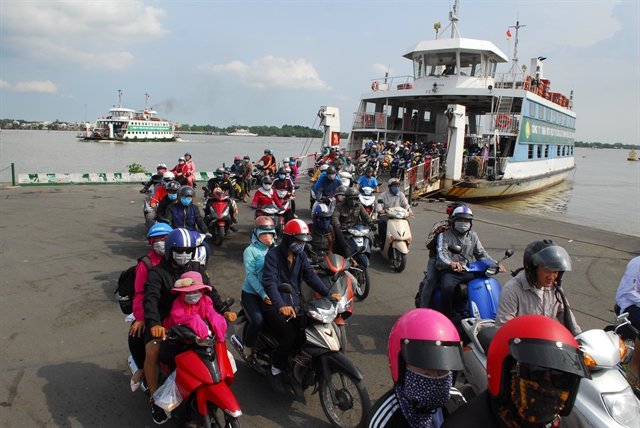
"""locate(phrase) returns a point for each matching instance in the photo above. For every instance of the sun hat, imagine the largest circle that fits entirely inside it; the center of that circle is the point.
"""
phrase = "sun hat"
(189, 281)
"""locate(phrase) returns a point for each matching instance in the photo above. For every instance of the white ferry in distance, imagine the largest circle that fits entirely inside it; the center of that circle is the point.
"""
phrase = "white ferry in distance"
(124, 124)
(505, 134)
(242, 133)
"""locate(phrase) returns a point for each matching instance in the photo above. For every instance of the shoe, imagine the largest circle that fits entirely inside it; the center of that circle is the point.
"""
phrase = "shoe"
(255, 365)
(633, 380)
(233, 228)
(277, 382)
(158, 413)
(244, 199)
(295, 216)
(134, 385)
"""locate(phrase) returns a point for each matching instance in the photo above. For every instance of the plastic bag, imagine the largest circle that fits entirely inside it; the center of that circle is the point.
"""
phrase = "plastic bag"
(168, 396)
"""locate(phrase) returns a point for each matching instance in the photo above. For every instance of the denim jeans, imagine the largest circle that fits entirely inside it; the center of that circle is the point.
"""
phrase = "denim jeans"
(252, 304)
(430, 284)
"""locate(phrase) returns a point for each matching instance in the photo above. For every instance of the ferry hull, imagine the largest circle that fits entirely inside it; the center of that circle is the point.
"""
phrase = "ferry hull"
(484, 189)
(129, 140)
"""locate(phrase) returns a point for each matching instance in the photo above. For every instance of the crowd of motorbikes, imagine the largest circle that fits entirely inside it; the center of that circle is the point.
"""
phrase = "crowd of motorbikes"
(204, 371)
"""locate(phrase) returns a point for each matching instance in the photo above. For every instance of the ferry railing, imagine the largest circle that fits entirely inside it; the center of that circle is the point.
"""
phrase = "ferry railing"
(504, 122)
(421, 175)
(369, 120)
(475, 166)
(397, 83)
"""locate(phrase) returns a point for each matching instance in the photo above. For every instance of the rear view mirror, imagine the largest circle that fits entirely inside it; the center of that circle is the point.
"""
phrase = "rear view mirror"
(285, 288)
(455, 249)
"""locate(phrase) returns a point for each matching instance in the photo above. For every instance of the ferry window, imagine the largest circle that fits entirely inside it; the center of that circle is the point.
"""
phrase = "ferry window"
(554, 116)
(558, 151)
(530, 154)
(491, 69)
(418, 66)
(532, 109)
(548, 114)
(436, 63)
(470, 64)
(541, 112)
(571, 150)
(564, 150)
(546, 150)
(539, 154)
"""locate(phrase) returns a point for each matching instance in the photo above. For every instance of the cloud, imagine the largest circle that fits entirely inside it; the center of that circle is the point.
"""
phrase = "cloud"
(271, 72)
(82, 32)
(47, 87)
(4, 84)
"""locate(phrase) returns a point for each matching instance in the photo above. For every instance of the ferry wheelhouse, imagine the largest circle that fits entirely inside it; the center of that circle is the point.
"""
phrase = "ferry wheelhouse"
(124, 124)
(504, 134)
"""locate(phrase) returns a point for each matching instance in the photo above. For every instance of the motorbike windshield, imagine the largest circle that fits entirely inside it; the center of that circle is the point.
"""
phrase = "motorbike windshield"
(429, 354)
(545, 353)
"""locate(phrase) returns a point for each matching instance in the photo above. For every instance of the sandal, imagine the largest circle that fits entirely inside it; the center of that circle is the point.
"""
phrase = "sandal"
(633, 379)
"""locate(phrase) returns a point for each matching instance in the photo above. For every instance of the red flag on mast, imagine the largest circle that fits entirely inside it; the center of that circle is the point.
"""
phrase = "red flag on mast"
(508, 34)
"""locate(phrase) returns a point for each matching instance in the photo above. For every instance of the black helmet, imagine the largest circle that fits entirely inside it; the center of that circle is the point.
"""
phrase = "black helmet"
(281, 170)
(219, 172)
(369, 169)
(352, 192)
(267, 180)
(545, 254)
(172, 186)
(186, 191)
(341, 190)
(331, 170)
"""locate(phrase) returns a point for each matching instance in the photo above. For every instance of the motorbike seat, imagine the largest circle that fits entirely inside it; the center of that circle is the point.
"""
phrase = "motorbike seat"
(485, 336)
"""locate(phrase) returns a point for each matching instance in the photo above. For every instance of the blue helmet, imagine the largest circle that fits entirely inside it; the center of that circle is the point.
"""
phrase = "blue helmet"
(178, 238)
(188, 154)
(159, 229)
(322, 211)
(270, 151)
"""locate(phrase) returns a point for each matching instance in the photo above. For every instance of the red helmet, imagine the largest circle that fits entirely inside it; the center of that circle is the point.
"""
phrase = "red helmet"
(536, 340)
(423, 338)
(298, 229)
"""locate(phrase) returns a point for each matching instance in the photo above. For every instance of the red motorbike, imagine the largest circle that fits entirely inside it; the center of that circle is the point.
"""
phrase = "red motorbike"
(218, 215)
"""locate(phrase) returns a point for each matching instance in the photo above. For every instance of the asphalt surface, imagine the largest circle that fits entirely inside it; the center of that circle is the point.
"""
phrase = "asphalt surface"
(64, 339)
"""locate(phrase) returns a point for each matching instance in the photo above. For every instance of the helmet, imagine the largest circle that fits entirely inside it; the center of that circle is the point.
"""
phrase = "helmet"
(270, 151)
(266, 180)
(321, 211)
(423, 338)
(349, 158)
(393, 181)
(159, 229)
(186, 191)
(219, 172)
(161, 166)
(188, 154)
(369, 169)
(287, 170)
(246, 157)
(331, 170)
(172, 186)
(292, 161)
(266, 151)
(352, 192)
(227, 171)
(263, 224)
(168, 176)
(181, 159)
(178, 238)
(237, 158)
(370, 143)
(536, 340)
(332, 149)
(453, 205)
(462, 212)
(298, 229)
(324, 167)
(545, 254)
(281, 171)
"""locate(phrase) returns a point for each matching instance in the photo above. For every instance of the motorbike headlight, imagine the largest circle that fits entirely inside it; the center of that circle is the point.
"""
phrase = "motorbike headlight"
(623, 407)
(399, 214)
(491, 270)
(323, 315)
(225, 213)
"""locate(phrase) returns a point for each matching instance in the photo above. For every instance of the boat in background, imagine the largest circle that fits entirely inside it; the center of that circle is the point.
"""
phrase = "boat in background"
(502, 134)
(124, 124)
(632, 156)
(242, 133)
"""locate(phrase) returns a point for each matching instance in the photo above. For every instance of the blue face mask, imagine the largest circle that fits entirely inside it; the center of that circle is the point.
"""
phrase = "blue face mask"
(172, 196)
(282, 176)
(323, 224)
(297, 247)
(394, 190)
(186, 201)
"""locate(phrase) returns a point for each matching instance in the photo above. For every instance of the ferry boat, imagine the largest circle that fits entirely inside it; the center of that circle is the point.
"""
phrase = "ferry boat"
(505, 134)
(632, 156)
(242, 133)
(124, 124)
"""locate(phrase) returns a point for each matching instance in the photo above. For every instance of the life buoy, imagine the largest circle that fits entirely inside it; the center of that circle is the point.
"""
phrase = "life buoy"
(527, 83)
(374, 86)
(366, 119)
(380, 119)
(503, 120)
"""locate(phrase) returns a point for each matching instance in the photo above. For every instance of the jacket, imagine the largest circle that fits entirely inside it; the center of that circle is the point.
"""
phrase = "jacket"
(158, 298)
(253, 257)
(277, 271)
(294, 172)
(177, 215)
(158, 194)
(189, 168)
(390, 201)
(283, 184)
(194, 316)
(345, 216)
(239, 169)
(471, 249)
(262, 198)
(330, 242)
(138, 284)
(326, 187)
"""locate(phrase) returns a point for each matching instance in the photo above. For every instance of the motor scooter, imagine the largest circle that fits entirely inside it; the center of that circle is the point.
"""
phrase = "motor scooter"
(367, 198)
(346, 178)
(395, 245)
(628, 333)
(360, 243)
(218, 214)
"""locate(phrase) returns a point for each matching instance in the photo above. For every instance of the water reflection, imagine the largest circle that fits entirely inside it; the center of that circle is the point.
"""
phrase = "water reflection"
(547, 203)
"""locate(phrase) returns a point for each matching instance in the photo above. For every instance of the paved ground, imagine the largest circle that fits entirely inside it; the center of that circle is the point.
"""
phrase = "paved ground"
(64, 345)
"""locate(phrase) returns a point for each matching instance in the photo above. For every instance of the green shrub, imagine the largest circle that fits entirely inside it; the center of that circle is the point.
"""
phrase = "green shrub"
(135, 168)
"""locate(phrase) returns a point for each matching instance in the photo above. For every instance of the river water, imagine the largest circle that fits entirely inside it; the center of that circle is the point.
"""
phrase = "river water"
(603, 191)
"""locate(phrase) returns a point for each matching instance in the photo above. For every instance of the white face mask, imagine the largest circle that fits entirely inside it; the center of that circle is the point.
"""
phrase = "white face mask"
(182, 259)
(462, 227)
(267, 186)
(193, 297)
(158, 247)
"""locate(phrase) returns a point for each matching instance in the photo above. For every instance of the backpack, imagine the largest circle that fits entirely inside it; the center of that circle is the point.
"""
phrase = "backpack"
(126, 286)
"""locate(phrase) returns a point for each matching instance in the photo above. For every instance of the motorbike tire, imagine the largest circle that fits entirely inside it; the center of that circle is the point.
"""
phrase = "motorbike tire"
(219, 235)
(354, 405)
(398, 259)
(343, 338)
(364, 283)
(219, 419)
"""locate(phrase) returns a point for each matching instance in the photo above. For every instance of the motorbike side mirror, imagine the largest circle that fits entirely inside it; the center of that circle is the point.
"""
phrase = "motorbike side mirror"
(285, 288)
(296, 187)
(308, 248)
(414, 204)
(508, 253)
(229, 302)
(455, 249)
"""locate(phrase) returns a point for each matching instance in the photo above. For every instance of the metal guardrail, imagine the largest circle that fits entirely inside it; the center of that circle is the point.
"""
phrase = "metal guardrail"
(422, 175)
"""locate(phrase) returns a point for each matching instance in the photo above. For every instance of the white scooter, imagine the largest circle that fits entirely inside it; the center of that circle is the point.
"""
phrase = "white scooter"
(605, 400)
(395, 246)
(368, 200)
(346, 178)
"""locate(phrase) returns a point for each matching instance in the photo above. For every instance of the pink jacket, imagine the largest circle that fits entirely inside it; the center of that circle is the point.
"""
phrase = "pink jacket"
(141, 278)
(189, 168)
(193, 316)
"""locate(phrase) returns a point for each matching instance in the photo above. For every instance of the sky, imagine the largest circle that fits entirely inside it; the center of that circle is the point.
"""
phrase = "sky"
(228, 63)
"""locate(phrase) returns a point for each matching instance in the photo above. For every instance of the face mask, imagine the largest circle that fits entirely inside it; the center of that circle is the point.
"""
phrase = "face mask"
(172, 196)
(246, 161)
(158, 247)
(331, 177)
(340, 198)
(186, 201)
(282, 176)
(422, 395)
(323, 224)
(266, 186)
(192, 298)
(182, 259)
(352, 202)
(394, 190)
(462, 227)
(297, 247)
(549, 399)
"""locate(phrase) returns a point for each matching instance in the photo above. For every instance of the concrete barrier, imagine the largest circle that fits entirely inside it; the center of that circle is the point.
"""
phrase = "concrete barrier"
(43, 179)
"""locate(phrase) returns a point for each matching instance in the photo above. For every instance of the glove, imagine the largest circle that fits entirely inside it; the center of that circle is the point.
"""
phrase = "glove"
(231, 316)
(208, 235)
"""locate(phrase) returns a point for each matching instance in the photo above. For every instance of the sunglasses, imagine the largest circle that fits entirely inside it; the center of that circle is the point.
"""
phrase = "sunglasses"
(561, 380)
(183, 250)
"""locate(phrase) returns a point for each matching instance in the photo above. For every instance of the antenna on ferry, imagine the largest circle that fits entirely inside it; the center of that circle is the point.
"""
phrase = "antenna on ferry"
(514, 67)
(453, 17)
(146, 101)
(120, 97)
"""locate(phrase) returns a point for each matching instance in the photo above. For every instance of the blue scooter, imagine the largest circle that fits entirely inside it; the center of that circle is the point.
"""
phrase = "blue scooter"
(360, 243)
(479, 298)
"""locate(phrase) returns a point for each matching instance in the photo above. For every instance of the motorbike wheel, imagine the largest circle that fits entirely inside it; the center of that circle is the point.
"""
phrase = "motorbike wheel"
(343, 338)
(219, 419)
(398, 259)
(353, 399)
(364, 283)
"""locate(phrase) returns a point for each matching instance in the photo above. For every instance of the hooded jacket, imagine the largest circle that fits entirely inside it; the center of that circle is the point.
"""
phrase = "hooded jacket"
(262, 198)
(254, 256)
(194, 316)
(471, 249)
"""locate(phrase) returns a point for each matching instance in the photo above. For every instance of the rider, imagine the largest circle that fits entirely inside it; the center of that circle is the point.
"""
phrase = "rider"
(180, 247)
(267, 162)
(326, 239)
(534, 368)
(533, 290)
(155, 178)
(390, 199)
(222, 181)
(287, 263)
(628, 300)
(451, 266)
(265, 195)
(172, 188)
(249, 170)
(327, 185)
(180, 169)
(253, 293)
(351, 212)
(156, 235)
(241, 170)
(368, 180)
(373, 162)
(189, 170)
(424, 348)
(158, 195)
(283, 183)
(348, 166)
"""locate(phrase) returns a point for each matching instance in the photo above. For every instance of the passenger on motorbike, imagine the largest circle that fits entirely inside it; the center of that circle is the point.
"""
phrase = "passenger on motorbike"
(222, 181)
(241, 170)
(180, 247)
(156, 178)
(368, 180)
(327, 185)
(265, 195)
(348, 166)
(172, 188)
(284, 183)
(294, 169)
(351, 212)
(341, 194)
(287, 263)
(424, 348)
(322, 170)
(628, 300)
(180, 169)
(534, 368)
(249, 168)
(533, 290)
(157, 235)
(390, 199)
(450, 266)
(253, 293)
(189, 171)
(326, 239)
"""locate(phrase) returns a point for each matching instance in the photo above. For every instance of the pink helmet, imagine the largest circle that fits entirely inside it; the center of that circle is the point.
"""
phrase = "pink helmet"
(426, 339)
(237, 158)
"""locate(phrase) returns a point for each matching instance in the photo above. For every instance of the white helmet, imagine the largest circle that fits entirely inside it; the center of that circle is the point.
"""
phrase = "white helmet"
(168, 176)
(324, 167)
